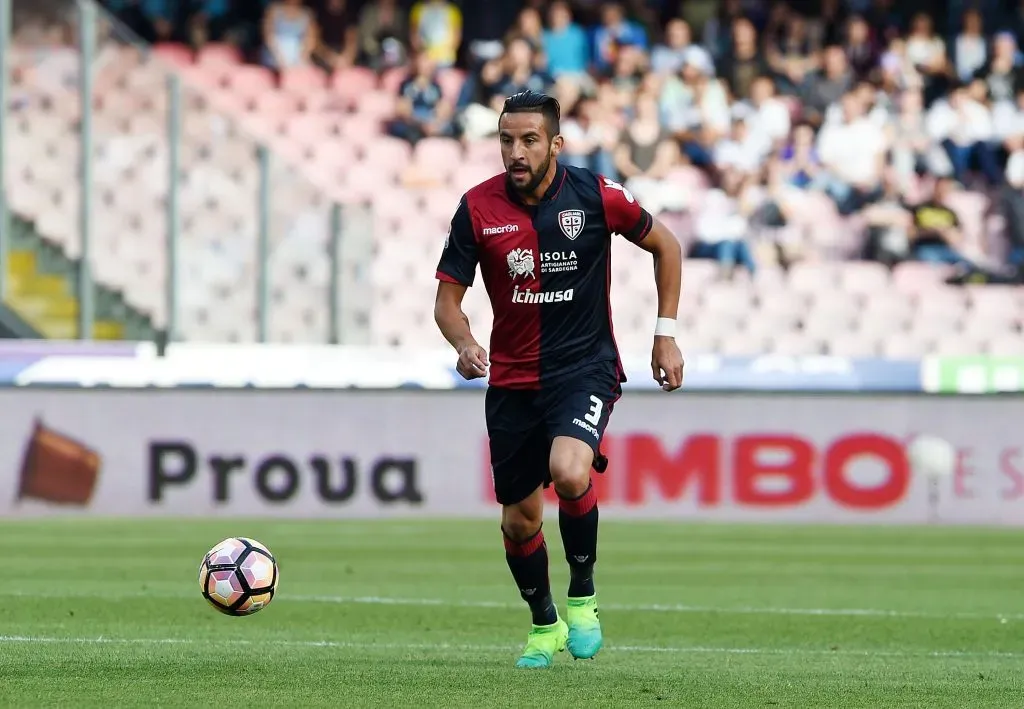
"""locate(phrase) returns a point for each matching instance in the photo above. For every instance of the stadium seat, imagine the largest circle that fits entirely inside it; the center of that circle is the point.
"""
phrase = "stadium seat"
(352, 83)
(218, 54)
(176, 55)
(305, 79)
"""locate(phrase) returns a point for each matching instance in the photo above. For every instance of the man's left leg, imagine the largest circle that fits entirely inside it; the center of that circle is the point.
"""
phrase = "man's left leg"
(577, 420)
(571, 461)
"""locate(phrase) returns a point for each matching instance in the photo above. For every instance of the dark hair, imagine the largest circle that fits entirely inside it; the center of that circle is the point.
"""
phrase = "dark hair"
(534, 102)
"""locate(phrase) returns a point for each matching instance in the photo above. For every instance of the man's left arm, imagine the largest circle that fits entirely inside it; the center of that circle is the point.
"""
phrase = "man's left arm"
(627, 217)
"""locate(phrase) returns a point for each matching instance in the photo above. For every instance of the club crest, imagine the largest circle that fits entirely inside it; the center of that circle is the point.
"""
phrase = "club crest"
(571, 221)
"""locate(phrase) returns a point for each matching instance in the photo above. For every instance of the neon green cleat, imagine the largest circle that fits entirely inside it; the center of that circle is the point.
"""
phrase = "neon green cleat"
(542, 644)
(585, 637)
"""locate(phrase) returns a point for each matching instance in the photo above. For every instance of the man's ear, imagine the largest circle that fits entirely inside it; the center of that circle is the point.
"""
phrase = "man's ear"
(556, 145)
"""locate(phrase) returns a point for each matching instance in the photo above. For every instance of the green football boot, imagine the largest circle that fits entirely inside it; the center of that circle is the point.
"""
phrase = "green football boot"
(542, 644)
(585, 637)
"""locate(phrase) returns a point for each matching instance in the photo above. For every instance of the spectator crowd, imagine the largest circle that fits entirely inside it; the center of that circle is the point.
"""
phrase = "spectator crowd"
(888, 110)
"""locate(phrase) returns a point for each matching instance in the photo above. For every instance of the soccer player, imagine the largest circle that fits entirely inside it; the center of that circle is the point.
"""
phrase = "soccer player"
(541, 234)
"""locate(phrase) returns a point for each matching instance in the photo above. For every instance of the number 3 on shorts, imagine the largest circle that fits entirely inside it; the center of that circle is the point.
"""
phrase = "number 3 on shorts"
(594, 415)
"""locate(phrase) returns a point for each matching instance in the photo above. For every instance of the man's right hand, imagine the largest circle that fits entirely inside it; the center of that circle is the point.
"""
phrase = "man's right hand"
(472, 362)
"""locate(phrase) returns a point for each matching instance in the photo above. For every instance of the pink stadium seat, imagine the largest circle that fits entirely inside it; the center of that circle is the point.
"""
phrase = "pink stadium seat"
(275, 104)
(851, 344)
(905, 346)
(1005, 345)
(251, 80)
(388, 152)
(392, 79)
(864, 277)
(377, 104)
(354, 82)
(465, 176)
(941, 300)
(912, 277)
(814, 276)
(438, 153)
(218, 54)
(306, 79)
(311, 128)
(989, 298)
(360, 130)
(451, 81)
(178, 55)
(796, 344)
(957, 344)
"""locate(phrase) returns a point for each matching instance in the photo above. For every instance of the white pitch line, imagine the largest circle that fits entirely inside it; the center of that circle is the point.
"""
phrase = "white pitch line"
(629, 649)
(624, 607)
(668, 608)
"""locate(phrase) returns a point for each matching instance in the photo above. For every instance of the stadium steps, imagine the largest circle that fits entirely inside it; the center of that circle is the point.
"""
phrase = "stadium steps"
(42, 279)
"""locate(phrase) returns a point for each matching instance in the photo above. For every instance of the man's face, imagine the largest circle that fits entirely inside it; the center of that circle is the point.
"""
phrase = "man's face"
(526, 149)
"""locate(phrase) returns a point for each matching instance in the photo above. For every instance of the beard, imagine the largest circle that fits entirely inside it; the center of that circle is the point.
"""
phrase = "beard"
(536, 177)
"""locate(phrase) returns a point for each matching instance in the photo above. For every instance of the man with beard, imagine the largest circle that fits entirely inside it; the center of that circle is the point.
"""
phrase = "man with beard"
(541, 235)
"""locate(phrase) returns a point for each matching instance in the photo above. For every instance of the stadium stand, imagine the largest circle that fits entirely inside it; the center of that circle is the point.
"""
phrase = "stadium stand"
(844, 183)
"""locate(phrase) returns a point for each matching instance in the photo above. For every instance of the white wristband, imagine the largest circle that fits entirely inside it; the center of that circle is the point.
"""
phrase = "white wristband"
(665, 327)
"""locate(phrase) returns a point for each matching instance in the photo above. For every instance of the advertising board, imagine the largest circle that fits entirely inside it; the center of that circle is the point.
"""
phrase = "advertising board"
(380, 454)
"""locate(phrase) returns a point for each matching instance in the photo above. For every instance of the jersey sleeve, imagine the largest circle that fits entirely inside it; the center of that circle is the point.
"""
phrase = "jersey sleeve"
(623, 213)
(459, 257)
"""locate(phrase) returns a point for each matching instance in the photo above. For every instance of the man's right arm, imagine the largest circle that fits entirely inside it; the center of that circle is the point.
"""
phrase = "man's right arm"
(455, 273)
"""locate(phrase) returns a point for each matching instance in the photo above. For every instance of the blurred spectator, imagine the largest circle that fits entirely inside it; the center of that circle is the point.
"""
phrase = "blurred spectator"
(963, 125)
(695, 108)
(213, 21)
(853, 151)
(645, 155)
(767, 117)
(435, 27)
(565, 44)
(1003, 72)
(798, 162)
(590, 139)
(861, 50)
(721, 231)
(669, 57)
(889, 226)
(422, 111)
(517, 72)
(910, 143)
(383, 31)
(926, 53)
(970, 49)
(529, 26)
(339, 39)
(615, 31)
(937, 233)
(1012, 205)
(151, 20)
(290, 34)
(791, 51)
(745, 62)
(885, 20)
(825, 87)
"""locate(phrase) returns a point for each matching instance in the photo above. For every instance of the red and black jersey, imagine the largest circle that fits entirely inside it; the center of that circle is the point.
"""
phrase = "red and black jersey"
(546, 269)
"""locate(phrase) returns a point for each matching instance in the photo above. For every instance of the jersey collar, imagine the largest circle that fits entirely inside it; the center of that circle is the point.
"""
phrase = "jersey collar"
(549, 194)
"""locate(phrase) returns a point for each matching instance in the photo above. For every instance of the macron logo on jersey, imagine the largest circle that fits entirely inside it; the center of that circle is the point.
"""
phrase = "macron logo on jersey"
(507, 229)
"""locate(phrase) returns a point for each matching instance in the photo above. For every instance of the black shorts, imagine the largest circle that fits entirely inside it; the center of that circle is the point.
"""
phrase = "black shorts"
(521, 424)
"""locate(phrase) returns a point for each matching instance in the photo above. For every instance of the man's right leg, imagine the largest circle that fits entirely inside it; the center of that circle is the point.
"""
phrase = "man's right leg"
(519, 465)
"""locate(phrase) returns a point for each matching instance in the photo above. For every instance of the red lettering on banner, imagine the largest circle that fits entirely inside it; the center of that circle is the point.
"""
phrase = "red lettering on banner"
(750, 467)
(846, 450)
(698, 460)
(767, 470)
(963, 470)
(1009, 465)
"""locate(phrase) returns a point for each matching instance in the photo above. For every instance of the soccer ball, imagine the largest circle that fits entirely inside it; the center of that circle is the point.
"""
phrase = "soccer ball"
(238, 576)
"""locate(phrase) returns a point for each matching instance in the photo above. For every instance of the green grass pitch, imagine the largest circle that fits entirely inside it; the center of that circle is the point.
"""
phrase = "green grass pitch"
(423, 614)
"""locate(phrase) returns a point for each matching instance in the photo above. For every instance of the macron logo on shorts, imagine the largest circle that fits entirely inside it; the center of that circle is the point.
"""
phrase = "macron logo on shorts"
(588, 428)
(507, 229)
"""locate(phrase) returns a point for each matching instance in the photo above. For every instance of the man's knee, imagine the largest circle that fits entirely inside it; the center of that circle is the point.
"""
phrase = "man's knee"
(571, 461)
(522, 520)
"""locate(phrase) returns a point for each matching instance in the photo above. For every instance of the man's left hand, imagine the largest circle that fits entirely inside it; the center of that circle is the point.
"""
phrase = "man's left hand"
(667, 363)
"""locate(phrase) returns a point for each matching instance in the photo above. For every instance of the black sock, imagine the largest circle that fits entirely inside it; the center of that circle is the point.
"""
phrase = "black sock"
(528, 562)
(577, 520)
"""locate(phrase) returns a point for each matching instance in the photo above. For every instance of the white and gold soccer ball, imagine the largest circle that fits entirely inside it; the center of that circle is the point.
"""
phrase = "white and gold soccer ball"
(238, 576)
